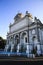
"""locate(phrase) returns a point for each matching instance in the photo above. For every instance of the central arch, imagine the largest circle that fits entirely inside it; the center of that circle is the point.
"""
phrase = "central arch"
(23, 39)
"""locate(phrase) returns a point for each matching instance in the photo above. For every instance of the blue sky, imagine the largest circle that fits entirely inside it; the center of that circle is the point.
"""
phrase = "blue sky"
(9, 8)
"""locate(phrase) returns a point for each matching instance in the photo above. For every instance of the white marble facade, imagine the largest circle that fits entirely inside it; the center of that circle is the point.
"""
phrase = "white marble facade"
(24, 33)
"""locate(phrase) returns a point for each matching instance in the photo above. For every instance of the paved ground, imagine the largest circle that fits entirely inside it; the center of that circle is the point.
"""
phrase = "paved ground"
(21, 59)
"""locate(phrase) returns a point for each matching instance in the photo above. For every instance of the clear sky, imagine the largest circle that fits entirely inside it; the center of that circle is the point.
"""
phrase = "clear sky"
(9, 8)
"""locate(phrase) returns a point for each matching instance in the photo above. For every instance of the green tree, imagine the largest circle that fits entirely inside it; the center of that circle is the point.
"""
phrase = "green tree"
(2, 43)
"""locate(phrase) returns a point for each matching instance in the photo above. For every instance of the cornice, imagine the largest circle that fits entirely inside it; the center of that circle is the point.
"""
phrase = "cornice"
(19, 30)
(20, 20)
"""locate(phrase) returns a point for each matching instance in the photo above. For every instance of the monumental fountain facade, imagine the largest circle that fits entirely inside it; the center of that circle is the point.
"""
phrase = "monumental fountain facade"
(25, 34)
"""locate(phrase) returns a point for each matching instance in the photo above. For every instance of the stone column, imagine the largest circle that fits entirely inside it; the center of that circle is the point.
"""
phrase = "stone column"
(19, 38)
(27, 51)
(37, 32)
(18, 48)
(12, 46)
(11, 43)
(38, 49)
(38, 37)
(18, 43)
(6, 48)
(28, 35)
(27, 46)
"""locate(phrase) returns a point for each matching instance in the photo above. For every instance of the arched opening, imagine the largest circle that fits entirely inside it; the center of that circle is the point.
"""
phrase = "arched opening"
(34, 40)
(24, 37)
(16, 43)
(16, 39)
(34, 45)
(23, 42)
(9, 48)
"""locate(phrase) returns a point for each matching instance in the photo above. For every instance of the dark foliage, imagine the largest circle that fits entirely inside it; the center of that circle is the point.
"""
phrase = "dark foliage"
(2, 43)
(34, 51)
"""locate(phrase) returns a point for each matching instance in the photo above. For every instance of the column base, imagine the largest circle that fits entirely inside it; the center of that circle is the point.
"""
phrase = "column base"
(17, 51)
